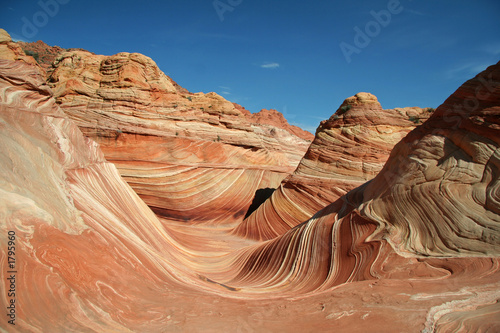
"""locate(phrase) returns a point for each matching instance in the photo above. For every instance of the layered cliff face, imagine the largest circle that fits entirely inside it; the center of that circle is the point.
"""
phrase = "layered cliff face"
(276, 119)
(416, 249)
(12, 51)
(437, 196)
(188, 156)
(349, 148)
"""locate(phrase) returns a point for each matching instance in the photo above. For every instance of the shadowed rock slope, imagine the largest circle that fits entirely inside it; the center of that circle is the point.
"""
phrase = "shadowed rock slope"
(349, 149)
(437, 196)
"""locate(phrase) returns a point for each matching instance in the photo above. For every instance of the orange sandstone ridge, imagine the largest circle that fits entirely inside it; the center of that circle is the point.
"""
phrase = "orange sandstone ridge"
(12, 51)
(349, 149)
(416, 249)
(276, 119)
(190, 157)
(42, 53)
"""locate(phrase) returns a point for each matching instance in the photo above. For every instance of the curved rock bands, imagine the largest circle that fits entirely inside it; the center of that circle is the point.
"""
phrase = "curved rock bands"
(295, 201)
(138, 114)
(434, 197)
(152, 149)
(77, 223)
(283, 263)
(417, 248)
(436, 201)
(480, 316)
(197, 194)
(338, 250)
(349, 149)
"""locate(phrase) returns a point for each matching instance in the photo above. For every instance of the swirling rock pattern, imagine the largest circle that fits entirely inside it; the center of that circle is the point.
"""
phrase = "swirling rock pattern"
(349, 149)
(93, 257)
(438, 193)
(191, 157)
(437, 196)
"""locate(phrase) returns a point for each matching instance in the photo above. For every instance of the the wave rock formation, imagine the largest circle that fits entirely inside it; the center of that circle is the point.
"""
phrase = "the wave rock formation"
(414, 249)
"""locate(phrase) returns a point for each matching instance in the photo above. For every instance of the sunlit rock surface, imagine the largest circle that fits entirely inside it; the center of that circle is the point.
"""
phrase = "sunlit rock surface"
(42, 53)
(437, 196)
(349, 148)
(192, 157)
(12, 51)
(416, 249)
(276, 119)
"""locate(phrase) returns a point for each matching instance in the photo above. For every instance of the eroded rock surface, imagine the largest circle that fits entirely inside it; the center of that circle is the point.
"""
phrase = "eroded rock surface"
(192, 157)
(349, 149)
(276, 119)
(416, 249)
(437, 196)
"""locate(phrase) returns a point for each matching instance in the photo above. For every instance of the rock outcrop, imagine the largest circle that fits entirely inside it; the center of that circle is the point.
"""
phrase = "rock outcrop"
(188, 156)
(416, 249)
(44, 54)
(276, 119)
(67, 212)
(12, 51)
(436, 197)
(349, 149)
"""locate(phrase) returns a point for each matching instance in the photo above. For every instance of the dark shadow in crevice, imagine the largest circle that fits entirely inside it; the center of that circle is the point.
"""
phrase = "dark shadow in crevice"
(260, 196)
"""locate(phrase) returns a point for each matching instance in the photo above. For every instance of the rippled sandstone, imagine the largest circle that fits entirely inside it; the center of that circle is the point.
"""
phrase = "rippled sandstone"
(190, 157)
(349, 148)
(437, 196)
(416, 249)
(432, 212)
(69, 210)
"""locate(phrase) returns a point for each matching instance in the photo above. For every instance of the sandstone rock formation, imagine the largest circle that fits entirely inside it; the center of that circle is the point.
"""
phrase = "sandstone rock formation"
(416, 249)
(12, 51)
(68, 208)
(188, 156)
(433, 212)
(437, 196)
(276, 119)
(42, 53)
(349, 149)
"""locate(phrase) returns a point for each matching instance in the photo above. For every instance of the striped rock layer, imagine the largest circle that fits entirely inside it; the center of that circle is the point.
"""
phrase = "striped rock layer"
(190, 157)
(349, 149)
(416, 249)
(438, 196)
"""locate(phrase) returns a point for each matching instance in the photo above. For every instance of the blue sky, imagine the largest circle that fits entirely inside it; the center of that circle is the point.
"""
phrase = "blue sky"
(301, 58)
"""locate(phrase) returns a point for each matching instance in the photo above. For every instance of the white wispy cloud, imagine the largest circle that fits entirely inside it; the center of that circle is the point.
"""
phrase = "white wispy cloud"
(466, 70)
(321, 118)
(493, 48)
(286, 114)
(416, 12)
(271, 65)
(219, 36)
(225, 90)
